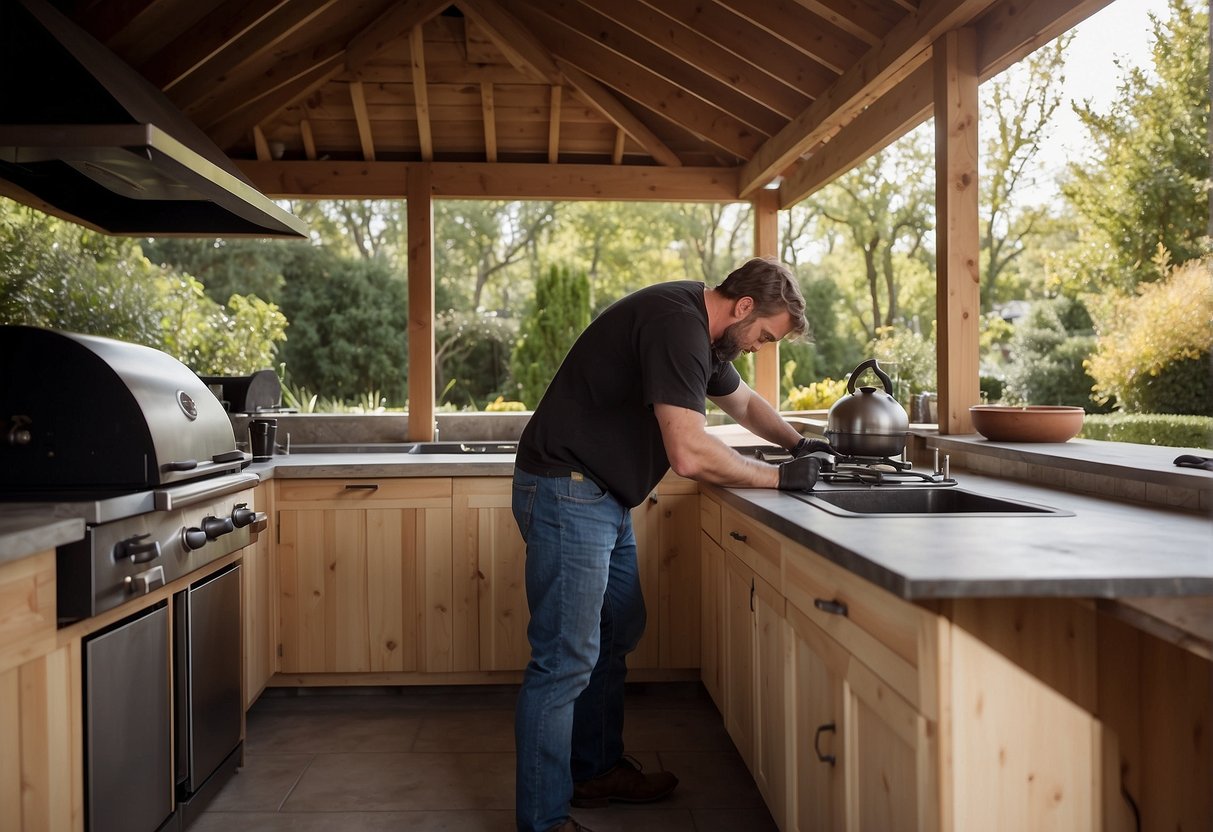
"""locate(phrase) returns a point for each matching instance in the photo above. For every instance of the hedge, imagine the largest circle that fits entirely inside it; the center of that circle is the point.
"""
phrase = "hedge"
(1165, 429)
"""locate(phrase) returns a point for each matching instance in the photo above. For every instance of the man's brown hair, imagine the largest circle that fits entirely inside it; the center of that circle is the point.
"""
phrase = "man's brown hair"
(772, 286)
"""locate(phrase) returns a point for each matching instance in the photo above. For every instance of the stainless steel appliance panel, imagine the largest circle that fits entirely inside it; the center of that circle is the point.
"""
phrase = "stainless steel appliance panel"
(128, 757)
(210, 700)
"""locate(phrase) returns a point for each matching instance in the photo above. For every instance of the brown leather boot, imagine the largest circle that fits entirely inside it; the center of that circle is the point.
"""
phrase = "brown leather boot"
(626, 783)
(570, 825)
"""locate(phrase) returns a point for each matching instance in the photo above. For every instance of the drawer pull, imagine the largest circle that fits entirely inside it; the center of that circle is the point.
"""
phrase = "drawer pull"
(368, 486)
(752, 590)
(737, 536)
(825, 758)
(832, 607)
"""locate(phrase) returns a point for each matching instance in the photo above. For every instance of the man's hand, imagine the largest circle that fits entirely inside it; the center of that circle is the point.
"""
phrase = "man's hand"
(799, 474)
(807, 446)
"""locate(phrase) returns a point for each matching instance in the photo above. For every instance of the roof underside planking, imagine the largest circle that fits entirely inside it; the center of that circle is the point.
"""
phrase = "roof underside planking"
(705, 100)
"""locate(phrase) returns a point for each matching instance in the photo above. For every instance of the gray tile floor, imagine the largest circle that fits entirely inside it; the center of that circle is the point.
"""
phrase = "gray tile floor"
(431, 759)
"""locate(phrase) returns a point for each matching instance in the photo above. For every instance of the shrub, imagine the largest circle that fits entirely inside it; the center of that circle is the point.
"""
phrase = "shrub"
(1048, 351)
(500, 405)
(1154, 345)
(816, 396)
(1169, 430)
(560, 313)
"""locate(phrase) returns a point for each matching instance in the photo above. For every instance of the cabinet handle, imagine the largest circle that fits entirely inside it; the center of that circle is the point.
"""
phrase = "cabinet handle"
(737, 536)
(370, 486)
(832, 607)
(751, 595)
(825, 758)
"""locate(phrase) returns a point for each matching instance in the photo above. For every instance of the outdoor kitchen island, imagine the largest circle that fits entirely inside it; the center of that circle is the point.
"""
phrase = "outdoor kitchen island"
(893, 672)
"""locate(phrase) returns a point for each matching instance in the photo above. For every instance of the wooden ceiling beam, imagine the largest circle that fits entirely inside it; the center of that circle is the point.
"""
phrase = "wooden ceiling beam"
(873, 75)
(309, 143)
(801, 29)
(224, 24)
(754, 45)
(479, 180)
(231, 128)
(609, 105)
(644, 87)
(365, 137)
(861, 20)
(403, 17)
(107, 19)
(274, 29)
(762, 84)
(527, 53)
(489, 114)
(905, 107)
(643, 52)
(1012, 31)
(554, 126)
(617, 151)
(421, 98)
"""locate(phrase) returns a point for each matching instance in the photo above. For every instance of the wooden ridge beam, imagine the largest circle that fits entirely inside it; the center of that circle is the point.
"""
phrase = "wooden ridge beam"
(479, 180)
(874, 74)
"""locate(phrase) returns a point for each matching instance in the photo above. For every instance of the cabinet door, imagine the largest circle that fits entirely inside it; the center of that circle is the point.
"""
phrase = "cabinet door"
(738, 669)
(678, 598)
(646, 524)
(490, 553)
(712, 619)
(816, 751)
(770, 724)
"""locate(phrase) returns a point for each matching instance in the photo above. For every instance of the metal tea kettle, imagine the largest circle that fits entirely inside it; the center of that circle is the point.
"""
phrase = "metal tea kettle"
(868, 422)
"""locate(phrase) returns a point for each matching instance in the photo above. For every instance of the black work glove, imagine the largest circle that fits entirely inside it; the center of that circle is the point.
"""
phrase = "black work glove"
(799, 474)
(807, 446)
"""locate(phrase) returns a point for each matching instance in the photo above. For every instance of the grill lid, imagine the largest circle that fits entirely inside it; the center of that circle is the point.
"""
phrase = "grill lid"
(86, 415)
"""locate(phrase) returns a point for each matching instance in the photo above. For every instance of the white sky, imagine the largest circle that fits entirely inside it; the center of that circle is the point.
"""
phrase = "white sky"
(1120, 30)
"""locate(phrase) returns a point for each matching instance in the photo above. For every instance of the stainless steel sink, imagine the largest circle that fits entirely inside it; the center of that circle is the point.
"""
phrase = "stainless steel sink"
(462, 448)
(901, 501)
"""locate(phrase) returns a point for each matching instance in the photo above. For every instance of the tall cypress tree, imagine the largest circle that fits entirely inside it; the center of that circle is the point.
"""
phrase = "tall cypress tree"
(560, 313)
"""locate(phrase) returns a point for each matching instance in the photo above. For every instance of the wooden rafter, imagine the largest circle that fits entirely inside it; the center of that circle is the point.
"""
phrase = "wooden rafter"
(397, 21)
(489, 114)
(527, 54)
(554, 126)
(865, 21)
(764, 86)
(801, 29)
(643, 52)
(866, 81)
(421, 99)
(224, 24)
(105, 21)
(644, 87)
(760, 48)
(309, 143)
(274, 29)
(260, 146)
(363, 120)
(227, 131)
(617, 151)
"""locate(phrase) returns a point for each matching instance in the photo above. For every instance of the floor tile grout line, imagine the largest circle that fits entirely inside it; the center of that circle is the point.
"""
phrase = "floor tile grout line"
(291, 790)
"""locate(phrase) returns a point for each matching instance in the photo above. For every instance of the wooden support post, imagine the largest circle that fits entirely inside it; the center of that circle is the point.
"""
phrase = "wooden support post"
(766, 244)
(957, 293)
(421, 303)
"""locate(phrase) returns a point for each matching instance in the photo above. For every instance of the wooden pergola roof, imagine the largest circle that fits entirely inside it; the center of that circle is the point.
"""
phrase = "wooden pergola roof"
(703, 100)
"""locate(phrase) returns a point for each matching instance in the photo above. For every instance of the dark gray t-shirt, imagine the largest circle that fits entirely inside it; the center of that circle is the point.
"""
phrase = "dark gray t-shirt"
(596, 418)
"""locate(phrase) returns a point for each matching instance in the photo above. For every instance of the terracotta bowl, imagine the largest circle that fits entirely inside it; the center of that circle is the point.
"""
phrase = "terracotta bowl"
(1034, 423)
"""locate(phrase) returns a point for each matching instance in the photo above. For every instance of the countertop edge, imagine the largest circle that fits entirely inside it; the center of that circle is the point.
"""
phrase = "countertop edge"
(25, 535)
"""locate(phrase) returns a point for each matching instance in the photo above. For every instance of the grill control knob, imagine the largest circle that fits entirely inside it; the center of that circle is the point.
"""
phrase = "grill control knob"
(215, 527)
(242, 515)
(193, 538)
(136, 549)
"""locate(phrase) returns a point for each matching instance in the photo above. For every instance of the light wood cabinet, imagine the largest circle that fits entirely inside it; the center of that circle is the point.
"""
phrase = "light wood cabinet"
(667, 553)
(490, 561)
(365, 577)
(259, 601)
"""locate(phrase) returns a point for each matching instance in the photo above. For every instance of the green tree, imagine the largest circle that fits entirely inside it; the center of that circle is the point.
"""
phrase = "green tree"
(560, 313)
(349, 326)
(226, 267)
(1146, 183)
(60, 275)
(1048, 350)
(472, 355)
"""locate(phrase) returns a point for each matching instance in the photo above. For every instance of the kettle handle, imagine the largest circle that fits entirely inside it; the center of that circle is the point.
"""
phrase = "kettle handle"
(880, 374)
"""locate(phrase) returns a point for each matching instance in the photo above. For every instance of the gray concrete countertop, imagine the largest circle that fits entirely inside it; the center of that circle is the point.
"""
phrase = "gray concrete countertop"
(310, 466)
(23, 533)
(1107, 549)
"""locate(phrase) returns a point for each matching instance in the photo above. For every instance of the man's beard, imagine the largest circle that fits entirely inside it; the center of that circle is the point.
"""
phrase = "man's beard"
(728, 347)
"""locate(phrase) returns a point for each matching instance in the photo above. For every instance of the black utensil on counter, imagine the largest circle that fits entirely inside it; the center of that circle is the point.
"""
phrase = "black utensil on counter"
(1192, 461)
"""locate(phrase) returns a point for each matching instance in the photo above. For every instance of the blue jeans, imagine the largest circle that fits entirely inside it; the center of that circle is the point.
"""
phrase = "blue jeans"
(587, 614)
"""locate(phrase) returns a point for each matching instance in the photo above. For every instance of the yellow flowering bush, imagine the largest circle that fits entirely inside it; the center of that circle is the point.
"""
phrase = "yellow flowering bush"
(816, 396)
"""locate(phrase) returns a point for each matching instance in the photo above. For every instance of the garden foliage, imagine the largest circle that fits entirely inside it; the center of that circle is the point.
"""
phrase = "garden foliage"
(560, 313)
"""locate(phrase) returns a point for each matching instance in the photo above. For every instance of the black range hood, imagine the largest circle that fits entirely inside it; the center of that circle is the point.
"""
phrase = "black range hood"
(85, 137)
